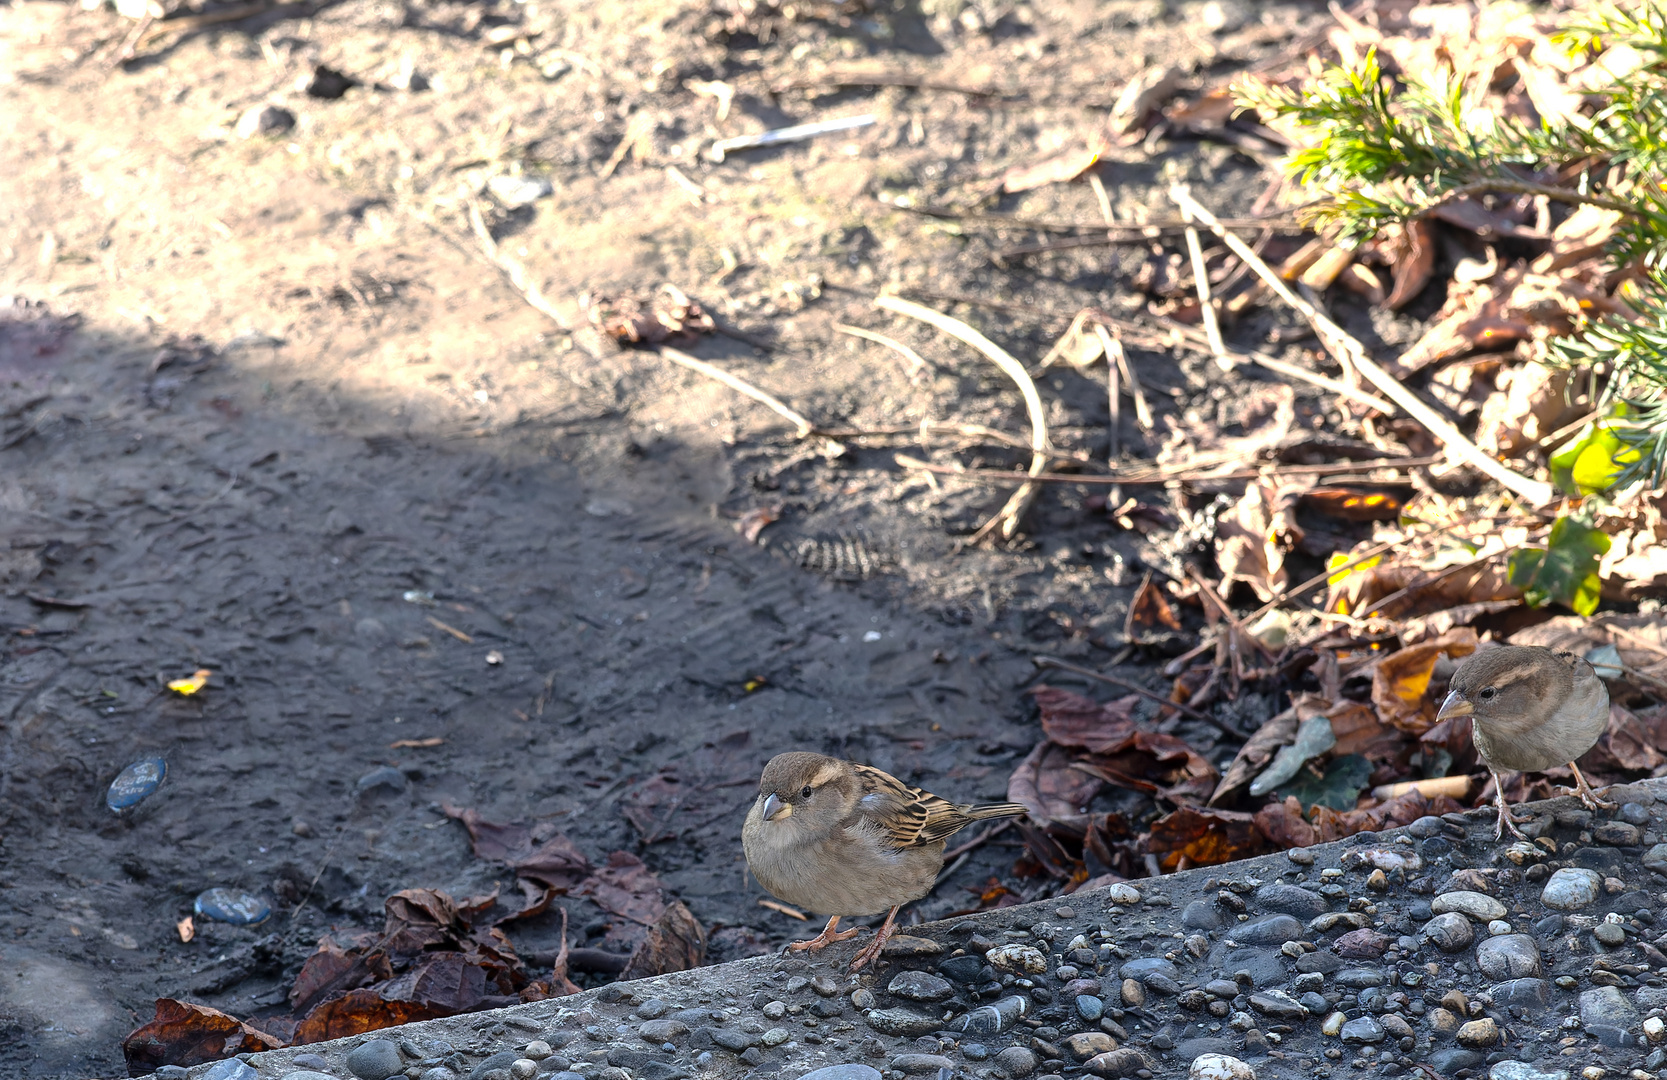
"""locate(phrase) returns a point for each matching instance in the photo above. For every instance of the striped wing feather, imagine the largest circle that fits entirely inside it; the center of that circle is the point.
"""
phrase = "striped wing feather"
(913, 817)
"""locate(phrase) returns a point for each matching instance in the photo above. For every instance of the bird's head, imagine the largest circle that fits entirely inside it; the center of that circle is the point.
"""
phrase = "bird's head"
(804, 791)
(1512, 682)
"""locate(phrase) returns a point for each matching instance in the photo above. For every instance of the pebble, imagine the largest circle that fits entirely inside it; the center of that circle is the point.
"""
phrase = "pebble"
(1268, 930)
(376, 1059)
(1521, 1070)
(962, 969)
(1478, 906)
(523, 1068)
(1450, 932)
(992, 1019)
(1571, 888)
(902, 1022)
(1605, 1005)
(1615, 833)
(1634, 814)
(1655, 1029)
(1656, 858)
(1427, 826)
(775, 1037)
(264, 120)
(538, 1049)
(1121, 893)
(774, 1010)
(1016, 1061)
(903, 945)
(655, 1031)
(1442, 1021)
(1609, 934)
(1134, 994)
(919, 986)
(1277, 1005)
(653, 1009)
(306, 1074)
(973, 1051)
(1364, 944)
(382, 780)
(518, 191)
(862, 998)
(1478, 1033)
(1087, 1044)
(135, 784)
(1203, 915)
(1146, 966)
(843, 1072)
(1362, 1029)
(1333, 1025)
(1291, 900)
(1314, 1002)
(1018, 959)
(1125, 1062)
(1396, 1026)
(1089, 1007)
(1500, 927)
(1509, 956)
(229, 1069)
(1361, 978)
(1220, 1067)
(232, 906)
(916, 1064)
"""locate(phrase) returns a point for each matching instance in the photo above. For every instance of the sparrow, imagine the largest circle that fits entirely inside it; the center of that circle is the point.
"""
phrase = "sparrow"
(842, 838)
(1532, 708)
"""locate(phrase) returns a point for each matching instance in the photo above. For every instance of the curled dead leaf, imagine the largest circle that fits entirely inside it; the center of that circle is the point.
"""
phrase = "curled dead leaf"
(1205, 837)
(1401, 680)
(185, 1034)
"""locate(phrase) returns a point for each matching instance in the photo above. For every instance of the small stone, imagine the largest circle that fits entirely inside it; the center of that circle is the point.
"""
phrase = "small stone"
(1268, 930)
(1615, 834)
(523, 1068)
(1442, 1021)
(1478, 1033)
(1300, 856)
(1499, 927)
(1015, 1062)
(1277, 1005)
(826, 987)
(775, 1037)
(1291, 900)
(1018, 959)
(1656, 859)
(992, 1019)
(843, 1072)
(1122, 893)
(1065, 972)
(1609, 934)
(1197, 945)
(1362, 1029)
(1333, 1025)
(1509, 956)
(862, 998)
(1377, 881)
(774, 1010)
(906, 945)
(1361, 978)
(1134, 994)
(1634, 814)
(919, 986)
(308, 1074)
(229, 1069)
(1521, 1070)
(1478, 906)
(1396, 1026)
(264, 120)
(975, 1051)
(1220, 1067)
(1314, 1002)
(659, 1031)
(1089, 1007)
(376, 1059)
(1450, 932)
(904, 1023)
(232, 906)
(1655, 1029)
(1203, 915)
(1364, 944)
(1571, 888)
(1425, 827)
(1606, 1005)
(1125, 1062)
(1087, 1044)
(917, 1064)
(538, 1049)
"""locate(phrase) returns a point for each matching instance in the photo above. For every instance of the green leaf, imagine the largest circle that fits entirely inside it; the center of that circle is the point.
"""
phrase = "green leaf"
(1339, 788)
(1565, 571)
(1593, 461)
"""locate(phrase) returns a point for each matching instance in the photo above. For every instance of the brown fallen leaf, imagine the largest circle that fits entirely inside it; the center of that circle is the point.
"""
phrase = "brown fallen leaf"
(626, 886)
(1401, 680)
(1533, 400)
(670, 318)
(356, 1012)
(1258, 750)
(1155, 763)
(1421, 591)
(1046, 785)
(1254, 536)
(676, 942)
(185, 1034)
(1632, 743)
(1072, 720)
(1352, 503)
(1204, 837)
(1412, 257)
(1143, 96)
(1057, 168)
(1150, 608)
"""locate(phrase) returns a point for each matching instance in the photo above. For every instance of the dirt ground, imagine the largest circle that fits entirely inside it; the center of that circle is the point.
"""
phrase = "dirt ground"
(256, 392)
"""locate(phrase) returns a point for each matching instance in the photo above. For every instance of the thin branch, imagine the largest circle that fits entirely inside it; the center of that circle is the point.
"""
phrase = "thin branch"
(1019, 502)
(1206, 309)
(1523, 187)
(1162, 476)
(1349, 351)
(511, 269)
(741, 386)
(916, 361)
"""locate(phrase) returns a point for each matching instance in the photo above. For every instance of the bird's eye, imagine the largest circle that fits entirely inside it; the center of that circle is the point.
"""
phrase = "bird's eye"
(805, 793)
(1488, 694)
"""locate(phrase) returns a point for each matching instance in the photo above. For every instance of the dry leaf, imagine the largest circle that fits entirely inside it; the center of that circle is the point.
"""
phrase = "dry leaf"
(1046, 785)
(1204, 837)
(1401, 680)
(676, 942)
(1143, 95)
(1352, 503)
(1532, 401)
(1150, 608)
(185, 1034)
(1072, 720)
(1057, 168)
(189, 686)
(1253, 538)
(1412, 256)
(1259, 749)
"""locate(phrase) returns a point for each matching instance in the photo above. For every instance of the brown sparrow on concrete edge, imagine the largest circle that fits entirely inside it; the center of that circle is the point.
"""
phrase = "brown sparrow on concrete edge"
(843, 839)
(1532, 708)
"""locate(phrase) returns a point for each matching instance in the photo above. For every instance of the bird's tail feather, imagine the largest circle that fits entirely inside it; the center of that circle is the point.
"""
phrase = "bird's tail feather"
(995, 810)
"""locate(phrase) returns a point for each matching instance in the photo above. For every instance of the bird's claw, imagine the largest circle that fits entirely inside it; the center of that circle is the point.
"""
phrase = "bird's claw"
(1506, 821)
(821, 941)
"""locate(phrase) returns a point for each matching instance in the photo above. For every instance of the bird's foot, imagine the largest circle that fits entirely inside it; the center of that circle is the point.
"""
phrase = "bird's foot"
(1506, 821)
(824, 939)
(1588, 797)
(871, 951)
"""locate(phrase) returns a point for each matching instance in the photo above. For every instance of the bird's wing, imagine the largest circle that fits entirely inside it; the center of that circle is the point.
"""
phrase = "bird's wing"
(911, 817)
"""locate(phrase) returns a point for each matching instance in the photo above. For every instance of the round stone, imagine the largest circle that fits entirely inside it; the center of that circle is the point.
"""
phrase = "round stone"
(1500, 926)
(1120, 893)
(1615, 833)
(1269, 930)
(1291, 900)
(919, 986)
(1362, 1029)
(229, 1069)
(1425, 827)
(1479, 906)
(902, 1022)
(1572, 888)
(1656, 859)
(975, 1051)
(1089, 1007)
(1204, 915)
(774, 1010)
(1634, 814)
(1450, 932)
(232, 906)
(1087, 1044)
(1125, 1062)
(775, 1036)
(1016, 1061)
(1609, 934)
(656, 1031)
(538, 1049)
(523, 1068)
(306, 1074)
(135, 784)
(652, 1009)
(1220, 1067)
(376, 1059)
(843, 1072)
(1478, 1033)
(1134, 994)
(1018, 959)
(862, 998)
(1509, 956)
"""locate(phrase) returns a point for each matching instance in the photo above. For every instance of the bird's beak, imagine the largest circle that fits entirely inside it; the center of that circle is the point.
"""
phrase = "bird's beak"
(1455, 705)
(774, 808)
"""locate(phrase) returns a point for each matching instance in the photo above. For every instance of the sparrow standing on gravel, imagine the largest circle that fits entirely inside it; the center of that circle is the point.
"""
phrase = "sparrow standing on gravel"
(844, 839)
(1532, 709)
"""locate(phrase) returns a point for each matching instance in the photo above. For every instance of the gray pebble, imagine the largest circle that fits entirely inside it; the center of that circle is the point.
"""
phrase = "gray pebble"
(919, 986)
(1269, 930)
(306, 1074)
(1089, 1007)
(1634, 814)
(1276, 1005)
(1313, 1002)
(1359, 978)
(1609, 934)
(315, 1062)
(1016, 1062)
(1479, 906)
(1363, 1029)
(1201, 915)
(1615, 834)
(901, 1022)
(1509, 956)
(862, 998)
(917, 1064)
(230, 1069)
(653, 1009)
(1291, 900)
(376, 1059)
(973, 1051)
(1521, 1070)
(1571, 888)
(1144, 967)
(663, 1031)
(1656, 859)
(1425, 827)
(1451, 932)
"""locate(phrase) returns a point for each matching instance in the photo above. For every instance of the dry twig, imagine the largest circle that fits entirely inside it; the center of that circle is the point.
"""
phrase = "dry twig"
(1008, 517)
(1150, 695)
(741, 386)
(1350, 352)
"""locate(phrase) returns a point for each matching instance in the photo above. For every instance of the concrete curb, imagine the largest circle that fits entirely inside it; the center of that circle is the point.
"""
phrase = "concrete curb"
(1320, 961)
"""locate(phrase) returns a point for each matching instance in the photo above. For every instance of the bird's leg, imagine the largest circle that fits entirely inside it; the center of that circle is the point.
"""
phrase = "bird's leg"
(824, 939)
(871, 951)
(1587, 795)
(1506, 821)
